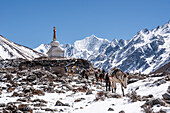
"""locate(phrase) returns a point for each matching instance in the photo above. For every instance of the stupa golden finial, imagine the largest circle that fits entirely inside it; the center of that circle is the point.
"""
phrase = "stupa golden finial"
(54, 37)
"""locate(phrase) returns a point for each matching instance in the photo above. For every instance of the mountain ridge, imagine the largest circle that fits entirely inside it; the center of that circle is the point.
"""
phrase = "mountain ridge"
(145, 52)
(11, 50)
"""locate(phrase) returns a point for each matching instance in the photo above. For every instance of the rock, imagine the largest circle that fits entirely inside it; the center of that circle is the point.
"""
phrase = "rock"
(89, 91)
(24, 107)
(27, 90)
(167, 101)
(10, 89)
(166, 96)
(69, 87)
(79, 90)
(40, 100)
(31, 78)
(146, 98)
(81, 108)
(122, 111)
(159, 82)
(22, 99)
(58, 91)
(48, 109)
(79, 99)
(39, 105)
(11, 107)
(15, 94)
(61, 110)
(162, 111)
(153, 102)
(58, 103)
(168, 89)
(50, 90)
(110, 109)
(112, 95)
(38, 92)
(115, 95)
(2, 105)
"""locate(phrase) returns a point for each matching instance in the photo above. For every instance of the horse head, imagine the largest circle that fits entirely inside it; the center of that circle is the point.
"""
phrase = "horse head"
(124, 80)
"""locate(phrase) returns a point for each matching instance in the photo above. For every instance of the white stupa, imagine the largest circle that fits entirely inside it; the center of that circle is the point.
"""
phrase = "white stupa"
(55, 51)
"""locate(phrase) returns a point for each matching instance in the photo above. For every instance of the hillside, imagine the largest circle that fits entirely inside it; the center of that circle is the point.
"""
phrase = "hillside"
(11, 50)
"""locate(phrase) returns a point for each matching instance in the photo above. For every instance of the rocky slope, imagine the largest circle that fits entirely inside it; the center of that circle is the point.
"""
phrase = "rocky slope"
(145, 52)
(39, 90)
(11, 50)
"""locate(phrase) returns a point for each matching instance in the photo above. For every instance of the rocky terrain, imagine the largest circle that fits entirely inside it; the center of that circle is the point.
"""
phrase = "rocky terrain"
(39, 90)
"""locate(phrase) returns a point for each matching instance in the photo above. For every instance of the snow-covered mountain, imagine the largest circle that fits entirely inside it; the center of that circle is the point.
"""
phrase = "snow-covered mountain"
(11, 50)
(145, 52)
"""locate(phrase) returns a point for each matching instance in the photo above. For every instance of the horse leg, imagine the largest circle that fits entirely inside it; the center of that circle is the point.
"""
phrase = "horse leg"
(109, 85)
(101, 80)
(115, 86)
(112, 86)
(122, 90)
(106, 85)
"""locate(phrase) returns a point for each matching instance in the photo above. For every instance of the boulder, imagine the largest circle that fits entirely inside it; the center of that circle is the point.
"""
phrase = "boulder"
(24, 107)
(159, 82)
(89, 91)
(166, 96)
(2, 104)
(11, 107)
(146, 98)
(58, 103)
(38, 92)
(168, 89)
(112, 95)
(31, 78)
(110, 109)
(69, 87)
(15, 94)
(79, 99)
(153, 102)
(122, 111)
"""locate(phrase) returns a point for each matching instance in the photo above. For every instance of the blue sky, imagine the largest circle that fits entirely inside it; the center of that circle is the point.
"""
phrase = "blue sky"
(30, 22)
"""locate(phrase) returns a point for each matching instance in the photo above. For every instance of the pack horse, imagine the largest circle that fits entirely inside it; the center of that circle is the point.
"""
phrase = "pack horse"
(117, 76)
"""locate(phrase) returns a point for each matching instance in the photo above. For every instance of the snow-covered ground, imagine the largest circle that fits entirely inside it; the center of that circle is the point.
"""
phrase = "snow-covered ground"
(79, 102)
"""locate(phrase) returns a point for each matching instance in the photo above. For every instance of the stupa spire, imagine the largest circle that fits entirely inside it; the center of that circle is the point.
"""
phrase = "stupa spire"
(54, 37)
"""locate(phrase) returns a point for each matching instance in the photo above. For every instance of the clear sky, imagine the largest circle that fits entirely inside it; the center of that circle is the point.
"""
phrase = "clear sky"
(30, 22)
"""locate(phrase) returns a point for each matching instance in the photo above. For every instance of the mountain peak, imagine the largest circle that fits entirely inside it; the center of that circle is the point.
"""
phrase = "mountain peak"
(92, 36)
(145, 31)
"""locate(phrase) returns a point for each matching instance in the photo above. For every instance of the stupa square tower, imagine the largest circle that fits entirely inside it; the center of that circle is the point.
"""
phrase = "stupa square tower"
(55, 51)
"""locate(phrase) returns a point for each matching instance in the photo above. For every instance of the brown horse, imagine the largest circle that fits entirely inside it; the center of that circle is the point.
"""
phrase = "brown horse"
(117, 76)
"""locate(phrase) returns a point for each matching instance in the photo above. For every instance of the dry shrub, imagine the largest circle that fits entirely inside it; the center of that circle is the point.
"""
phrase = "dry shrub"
(147, 109)
(134, 97)
(100, 96)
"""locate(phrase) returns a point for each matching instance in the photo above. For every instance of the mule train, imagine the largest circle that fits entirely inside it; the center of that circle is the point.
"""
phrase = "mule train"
(111, 78)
